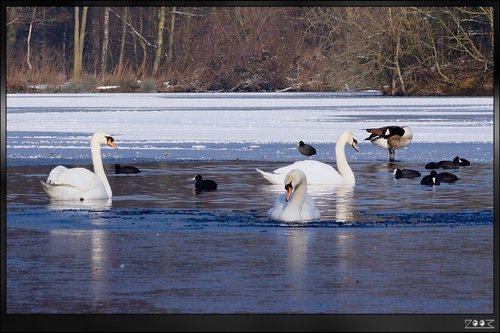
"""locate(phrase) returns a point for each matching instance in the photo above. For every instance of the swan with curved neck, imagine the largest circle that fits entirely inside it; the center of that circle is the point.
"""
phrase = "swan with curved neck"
(295, 204)
(80, 183)
(318, 172)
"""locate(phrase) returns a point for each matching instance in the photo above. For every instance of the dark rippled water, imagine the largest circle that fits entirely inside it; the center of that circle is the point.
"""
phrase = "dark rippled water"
(383, 246)
(378, 196)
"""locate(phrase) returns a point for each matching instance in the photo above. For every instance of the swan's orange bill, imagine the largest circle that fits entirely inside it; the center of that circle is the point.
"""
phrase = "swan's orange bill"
(288, 189)
(111, 142)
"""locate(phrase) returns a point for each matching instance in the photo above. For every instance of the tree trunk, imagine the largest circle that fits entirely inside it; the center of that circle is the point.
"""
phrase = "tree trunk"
(122, 46)
(159, 41)
(171, 37)
(142, 69)
(105, 42)
(397, 62)
(28, 51)
(80, 25)
(76, 44)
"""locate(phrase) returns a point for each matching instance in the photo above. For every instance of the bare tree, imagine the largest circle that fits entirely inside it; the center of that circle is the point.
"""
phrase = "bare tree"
(171, 36)
(159, 40)
(123, 36)
(399, 50)
(28, 42)
(105, 41)
(79, 38)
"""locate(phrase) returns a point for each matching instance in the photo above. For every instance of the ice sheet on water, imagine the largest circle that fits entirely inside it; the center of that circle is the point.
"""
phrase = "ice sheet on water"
(230, 126)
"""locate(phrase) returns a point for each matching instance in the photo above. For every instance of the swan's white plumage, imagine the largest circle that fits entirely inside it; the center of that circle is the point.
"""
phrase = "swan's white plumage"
(80, 183)
(74, 184)
(319, 172)
(308, 212)
(316, 173)
(300, 206)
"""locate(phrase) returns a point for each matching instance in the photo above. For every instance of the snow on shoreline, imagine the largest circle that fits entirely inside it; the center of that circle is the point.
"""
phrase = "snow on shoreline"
(250, 117)
(222, 100)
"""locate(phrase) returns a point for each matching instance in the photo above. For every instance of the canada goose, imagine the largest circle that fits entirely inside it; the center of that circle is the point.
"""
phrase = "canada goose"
(391, 138)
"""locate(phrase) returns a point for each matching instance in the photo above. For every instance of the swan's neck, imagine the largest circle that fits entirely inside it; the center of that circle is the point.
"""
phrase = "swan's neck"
(296, 202)
(342, 165)
(98, 167)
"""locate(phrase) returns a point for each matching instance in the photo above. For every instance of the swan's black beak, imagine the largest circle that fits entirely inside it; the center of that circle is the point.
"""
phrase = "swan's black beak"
(289, 190)
(355, 145)
(111, 142)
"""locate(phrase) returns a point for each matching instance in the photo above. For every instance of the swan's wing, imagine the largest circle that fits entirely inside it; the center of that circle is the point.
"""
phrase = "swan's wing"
(277, 179)
(309, 203)
(56, 173)
(278, 207)
(309, 167)
(80, 178)
(316, 173)
(297, 165)
(309, 215)
(309, 210)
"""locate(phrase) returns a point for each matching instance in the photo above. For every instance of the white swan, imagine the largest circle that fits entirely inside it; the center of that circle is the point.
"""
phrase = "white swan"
(318, 172)
(79, 183)
(295, 204)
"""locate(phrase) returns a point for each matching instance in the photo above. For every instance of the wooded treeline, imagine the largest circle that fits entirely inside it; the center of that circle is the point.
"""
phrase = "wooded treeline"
(397, 50)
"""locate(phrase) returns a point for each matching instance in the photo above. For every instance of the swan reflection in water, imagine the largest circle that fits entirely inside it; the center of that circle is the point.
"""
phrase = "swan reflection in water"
(341, 197)
(95, 249)
(298, 241)
(335, 202)
(344, 203)
(80, 205)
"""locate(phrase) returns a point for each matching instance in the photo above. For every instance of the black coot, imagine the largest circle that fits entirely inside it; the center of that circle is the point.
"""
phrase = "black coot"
(306, 149)
(461, 161)
(204, 184)
(126, 169)
(431, 179)
(406, 173)
(447, 177)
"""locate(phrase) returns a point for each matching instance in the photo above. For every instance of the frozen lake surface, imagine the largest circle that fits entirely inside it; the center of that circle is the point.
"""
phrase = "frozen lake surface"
(382, 246)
